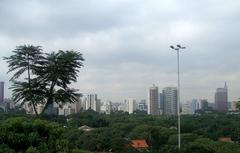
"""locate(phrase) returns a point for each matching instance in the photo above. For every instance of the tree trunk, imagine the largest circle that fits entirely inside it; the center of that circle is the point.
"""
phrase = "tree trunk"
(49, 98)
(44, 108)
(30, 88)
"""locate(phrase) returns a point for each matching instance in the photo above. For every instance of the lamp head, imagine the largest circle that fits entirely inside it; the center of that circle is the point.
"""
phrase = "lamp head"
(179, 46)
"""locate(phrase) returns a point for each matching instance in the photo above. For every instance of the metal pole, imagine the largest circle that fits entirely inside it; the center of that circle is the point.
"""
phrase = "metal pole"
(178, 103)
(178, 48)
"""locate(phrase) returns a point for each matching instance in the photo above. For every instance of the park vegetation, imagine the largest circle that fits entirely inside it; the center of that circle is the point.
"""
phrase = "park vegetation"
(113, 133)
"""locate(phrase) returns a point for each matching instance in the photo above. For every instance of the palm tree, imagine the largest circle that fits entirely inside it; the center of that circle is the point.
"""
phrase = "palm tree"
(57, 73)
(26, 58)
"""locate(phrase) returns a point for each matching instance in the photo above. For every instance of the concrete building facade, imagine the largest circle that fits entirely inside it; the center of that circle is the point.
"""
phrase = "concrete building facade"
(153, 101)
(221, 99)
(132, 105)
(1, 92)
(170, 101)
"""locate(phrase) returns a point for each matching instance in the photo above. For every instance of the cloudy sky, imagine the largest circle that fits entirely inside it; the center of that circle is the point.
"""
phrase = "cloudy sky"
(126, 42)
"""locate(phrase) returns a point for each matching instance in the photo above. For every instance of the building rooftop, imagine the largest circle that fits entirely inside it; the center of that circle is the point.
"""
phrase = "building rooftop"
(85, 128)
(139, 144)
(225, 139)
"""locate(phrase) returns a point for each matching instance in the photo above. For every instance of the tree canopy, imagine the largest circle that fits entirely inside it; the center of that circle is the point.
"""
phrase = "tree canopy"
(47, 78)
(24, 133)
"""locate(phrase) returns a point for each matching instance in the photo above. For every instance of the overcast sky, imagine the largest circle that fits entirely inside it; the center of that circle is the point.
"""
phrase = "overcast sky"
(126, 42)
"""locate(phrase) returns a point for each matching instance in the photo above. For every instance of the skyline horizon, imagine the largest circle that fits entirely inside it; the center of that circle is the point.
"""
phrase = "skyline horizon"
(139, 99)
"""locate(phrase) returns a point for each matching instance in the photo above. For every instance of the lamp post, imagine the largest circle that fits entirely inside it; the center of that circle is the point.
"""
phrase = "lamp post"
(178, 48)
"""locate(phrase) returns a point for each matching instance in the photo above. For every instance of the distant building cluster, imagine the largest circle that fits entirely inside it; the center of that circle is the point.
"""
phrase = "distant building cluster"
(5, 103)
(165, 103)
(221, 103)
(157, 103)
(191, 107)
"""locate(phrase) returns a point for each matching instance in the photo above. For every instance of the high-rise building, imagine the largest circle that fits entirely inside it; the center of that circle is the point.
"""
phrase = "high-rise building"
(170, 101)
(161, 103)
(153, 101)
(221, 99)
(98, 105)
(91, 102)
(1, 92)
(131, 103)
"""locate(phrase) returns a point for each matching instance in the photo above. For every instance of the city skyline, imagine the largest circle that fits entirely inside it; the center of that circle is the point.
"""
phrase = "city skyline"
(126, 44)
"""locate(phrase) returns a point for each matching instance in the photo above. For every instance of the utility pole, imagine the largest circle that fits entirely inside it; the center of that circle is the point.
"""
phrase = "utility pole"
(177, 48)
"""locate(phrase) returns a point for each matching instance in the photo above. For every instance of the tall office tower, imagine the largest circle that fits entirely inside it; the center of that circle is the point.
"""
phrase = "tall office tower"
(1, 92)
(170, 101)
(131, 105)
(78, 105)
(98, 105)
(221, 99)
(153, 101)
(91, 102)
(160, 105)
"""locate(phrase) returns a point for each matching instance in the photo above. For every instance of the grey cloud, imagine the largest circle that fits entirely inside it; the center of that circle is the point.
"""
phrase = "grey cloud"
(65, 18)
(126, 43)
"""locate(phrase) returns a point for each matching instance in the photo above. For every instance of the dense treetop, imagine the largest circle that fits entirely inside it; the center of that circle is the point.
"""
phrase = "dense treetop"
(114, 132)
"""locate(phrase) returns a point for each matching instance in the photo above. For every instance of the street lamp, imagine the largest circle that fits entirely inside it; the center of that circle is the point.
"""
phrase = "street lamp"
(178, 48)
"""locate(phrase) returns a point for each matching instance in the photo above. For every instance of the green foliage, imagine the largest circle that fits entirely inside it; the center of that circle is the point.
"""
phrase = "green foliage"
(58, 72)
(205, 145)
(25, 59)
(73, 135)
(102, 139)
(48, 76)
(235, 135)
(185, 138)
(32, 150)
(89, 118)
(5, 149)
(155, 135)
(26, 133)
